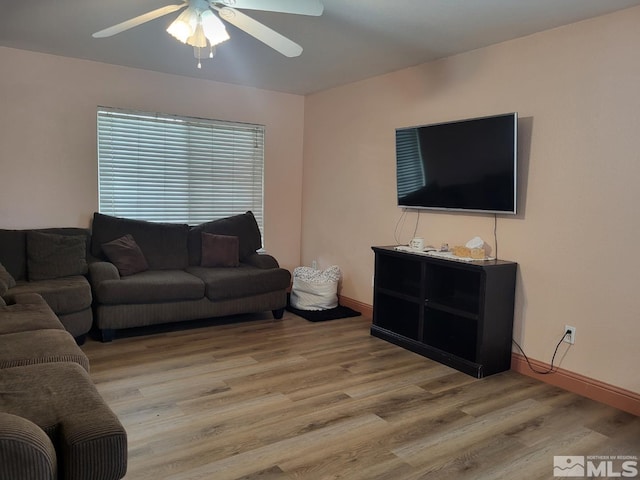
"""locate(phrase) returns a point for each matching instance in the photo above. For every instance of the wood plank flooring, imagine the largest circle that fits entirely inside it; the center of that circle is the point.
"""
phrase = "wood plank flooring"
(291, 399)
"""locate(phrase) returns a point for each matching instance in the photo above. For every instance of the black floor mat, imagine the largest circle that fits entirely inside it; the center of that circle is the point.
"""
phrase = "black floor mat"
(324, 315)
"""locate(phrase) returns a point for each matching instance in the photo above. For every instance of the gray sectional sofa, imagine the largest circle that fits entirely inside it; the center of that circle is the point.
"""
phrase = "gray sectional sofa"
(53, 263)
(150, 273)
(129, 273)
(56, 283)
(53, 423)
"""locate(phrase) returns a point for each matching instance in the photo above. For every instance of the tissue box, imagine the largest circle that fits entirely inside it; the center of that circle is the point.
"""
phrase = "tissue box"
(466, 252)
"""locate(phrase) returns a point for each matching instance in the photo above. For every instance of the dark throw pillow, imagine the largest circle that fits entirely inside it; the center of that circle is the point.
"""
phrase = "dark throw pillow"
(6, 277)
(50, 255)
(220, 250)
(243, 226)
(126, 255)
(3, 287)
(164, 244)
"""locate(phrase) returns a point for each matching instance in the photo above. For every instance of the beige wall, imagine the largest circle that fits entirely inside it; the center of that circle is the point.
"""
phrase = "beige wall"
(48, 168)
(577, 238)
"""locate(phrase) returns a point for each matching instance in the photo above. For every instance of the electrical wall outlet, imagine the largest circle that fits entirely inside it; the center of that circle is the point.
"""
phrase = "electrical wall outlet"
(571, 336)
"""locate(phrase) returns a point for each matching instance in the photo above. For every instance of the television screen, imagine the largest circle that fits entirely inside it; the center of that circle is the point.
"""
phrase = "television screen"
(467, 165)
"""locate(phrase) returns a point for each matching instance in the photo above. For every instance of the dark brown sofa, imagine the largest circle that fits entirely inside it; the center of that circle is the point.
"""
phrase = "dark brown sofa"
(177, 276)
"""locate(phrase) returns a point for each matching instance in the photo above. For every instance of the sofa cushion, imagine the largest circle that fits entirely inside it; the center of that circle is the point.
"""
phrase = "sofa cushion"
(13, 252)
(13, 247)
(3, 288)
(39, 347)
(54, 256)
(164, 244)
(244, 281)
(152, 286)
(126, 255)
(23, 317)
(243, 226)
(64, 295)
(6, 278)
(220, 250)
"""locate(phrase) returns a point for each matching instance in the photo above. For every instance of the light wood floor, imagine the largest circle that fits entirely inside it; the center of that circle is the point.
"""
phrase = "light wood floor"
(286, 399)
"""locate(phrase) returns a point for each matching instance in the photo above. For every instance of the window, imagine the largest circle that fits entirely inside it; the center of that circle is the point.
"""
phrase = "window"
(175, 169)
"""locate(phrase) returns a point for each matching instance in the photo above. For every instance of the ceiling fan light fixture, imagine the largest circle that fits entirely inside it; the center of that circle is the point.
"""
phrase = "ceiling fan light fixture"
(213, 28)
(199, 27)
(184, 26)
(198, 38)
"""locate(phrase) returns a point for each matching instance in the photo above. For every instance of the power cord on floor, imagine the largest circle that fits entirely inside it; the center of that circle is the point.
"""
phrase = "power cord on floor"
(551, 368)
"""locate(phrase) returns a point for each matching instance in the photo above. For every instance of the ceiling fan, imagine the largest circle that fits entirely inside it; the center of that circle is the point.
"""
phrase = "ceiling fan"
(199, 27)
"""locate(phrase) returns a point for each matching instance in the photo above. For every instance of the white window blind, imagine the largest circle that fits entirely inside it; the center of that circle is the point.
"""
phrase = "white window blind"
(175, 169)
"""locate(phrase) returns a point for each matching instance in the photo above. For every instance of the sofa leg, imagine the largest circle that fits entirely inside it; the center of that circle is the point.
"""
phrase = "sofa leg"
(277, 314)
(81, 339)
(107, 334)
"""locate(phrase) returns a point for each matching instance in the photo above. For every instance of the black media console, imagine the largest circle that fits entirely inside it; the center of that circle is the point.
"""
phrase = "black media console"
(458, 313)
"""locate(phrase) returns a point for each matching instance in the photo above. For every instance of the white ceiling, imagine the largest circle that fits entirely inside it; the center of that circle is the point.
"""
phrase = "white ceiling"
(351, 41)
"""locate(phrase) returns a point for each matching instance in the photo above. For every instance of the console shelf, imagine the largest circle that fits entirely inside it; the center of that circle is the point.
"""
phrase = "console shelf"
(458, 313)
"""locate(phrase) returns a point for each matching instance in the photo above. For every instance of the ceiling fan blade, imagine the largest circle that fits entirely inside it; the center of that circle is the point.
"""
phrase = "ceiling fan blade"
(298, 7)
(261, 32)
(139, 20)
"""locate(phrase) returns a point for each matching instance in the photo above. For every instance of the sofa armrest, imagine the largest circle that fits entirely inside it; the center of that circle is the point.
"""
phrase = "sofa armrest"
(261, 260)
(101, 271)
(26, 452)
(94, 445)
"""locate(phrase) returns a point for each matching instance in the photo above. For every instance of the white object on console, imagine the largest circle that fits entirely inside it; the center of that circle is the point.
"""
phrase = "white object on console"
(475, 242)
(417, 243)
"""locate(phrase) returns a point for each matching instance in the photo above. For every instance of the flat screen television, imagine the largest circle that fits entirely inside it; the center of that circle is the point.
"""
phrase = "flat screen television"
(466, 165)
